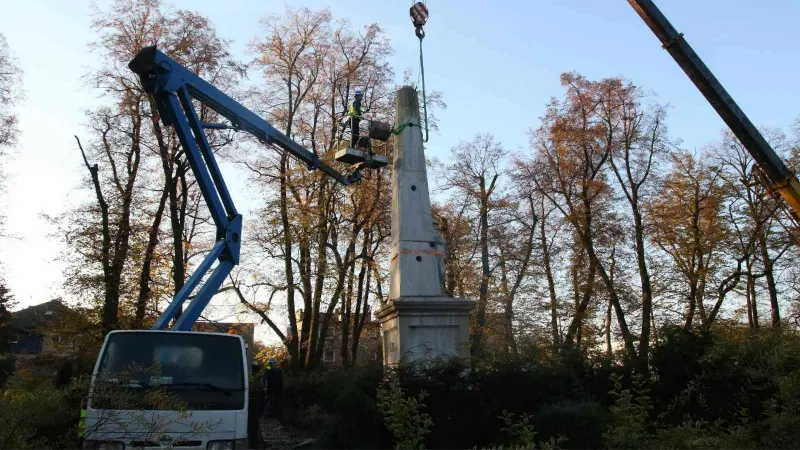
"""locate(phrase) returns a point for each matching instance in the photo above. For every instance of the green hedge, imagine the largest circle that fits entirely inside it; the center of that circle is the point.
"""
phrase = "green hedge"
(733, 388)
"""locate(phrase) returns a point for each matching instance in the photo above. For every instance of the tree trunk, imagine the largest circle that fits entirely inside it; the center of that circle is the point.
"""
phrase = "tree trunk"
(653, 327)
(321, 267)
(109, 311)
(770, 275)
(362, 294)
(627, 337)
(167, 154)
(144, 276)
(171, 179)
(347, 305)
(342, 266)
(750, 296)
(508, 328)
(728, 284)
(177, 213)
(304, 267)
(631, 190)
(748, 300)
(293, 338)
(696, 264)
(701, 289)
(113, 255)
(607, 279)
(609, 350)
(450, 284)
(687, 325)
(551, 285)
(110, 304)
(574, 331)
(647, 289)
(485, 273)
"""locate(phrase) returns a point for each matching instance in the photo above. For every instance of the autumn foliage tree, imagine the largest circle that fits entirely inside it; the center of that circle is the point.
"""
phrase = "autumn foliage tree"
(325, 239)
(692, 231)
(631, 228)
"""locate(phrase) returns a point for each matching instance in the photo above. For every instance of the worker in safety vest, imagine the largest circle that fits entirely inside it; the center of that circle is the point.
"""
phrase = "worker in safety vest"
(355, 118)
(82, 423)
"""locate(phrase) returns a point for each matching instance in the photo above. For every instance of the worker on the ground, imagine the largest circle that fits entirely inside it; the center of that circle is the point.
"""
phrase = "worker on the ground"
(64, 375)
(355, 119)
(82, 420)
(272, 383)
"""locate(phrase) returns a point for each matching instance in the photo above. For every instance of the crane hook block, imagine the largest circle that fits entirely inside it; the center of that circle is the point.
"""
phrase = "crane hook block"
(419, 14)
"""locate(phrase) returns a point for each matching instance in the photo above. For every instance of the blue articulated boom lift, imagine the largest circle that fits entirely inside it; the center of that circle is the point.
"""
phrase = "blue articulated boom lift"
(174, 87)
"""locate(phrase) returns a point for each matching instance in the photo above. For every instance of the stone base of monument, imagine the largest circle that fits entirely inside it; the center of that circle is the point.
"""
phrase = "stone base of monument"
(424, 327)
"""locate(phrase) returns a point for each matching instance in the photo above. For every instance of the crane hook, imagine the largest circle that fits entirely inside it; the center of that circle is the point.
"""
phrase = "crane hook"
(419, 15)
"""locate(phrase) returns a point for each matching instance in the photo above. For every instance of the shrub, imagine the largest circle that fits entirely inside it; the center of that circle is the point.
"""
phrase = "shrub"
(581, 421)
(523, 435)
(404, 417)
(730, 388)
(629, 415)
(342, 407)
(37, 418)
(702, 435)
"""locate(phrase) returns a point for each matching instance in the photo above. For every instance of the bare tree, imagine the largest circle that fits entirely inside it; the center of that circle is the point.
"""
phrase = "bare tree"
(11, 94)
(569, 169)
(118, 135)
(513, 241)
(763, 237)
(458, 229)
(322, 235)
(635, 134)
(475, 173)
(119, 235)
(688, 225)
(547, 240)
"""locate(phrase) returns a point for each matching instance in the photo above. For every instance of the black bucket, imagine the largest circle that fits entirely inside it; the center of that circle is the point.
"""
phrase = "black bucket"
(381, 131)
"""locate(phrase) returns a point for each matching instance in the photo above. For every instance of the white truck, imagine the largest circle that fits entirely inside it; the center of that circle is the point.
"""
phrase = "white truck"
(169, 389)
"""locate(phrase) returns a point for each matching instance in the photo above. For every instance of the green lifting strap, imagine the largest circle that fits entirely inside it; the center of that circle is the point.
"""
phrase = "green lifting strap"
(403, 126)
(424, 98)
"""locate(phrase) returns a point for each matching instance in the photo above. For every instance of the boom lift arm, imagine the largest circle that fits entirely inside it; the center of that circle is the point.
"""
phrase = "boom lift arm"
(174, 87)
(781, 179)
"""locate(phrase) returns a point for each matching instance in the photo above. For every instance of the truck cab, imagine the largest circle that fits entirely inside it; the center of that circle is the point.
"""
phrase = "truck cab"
(168, 389)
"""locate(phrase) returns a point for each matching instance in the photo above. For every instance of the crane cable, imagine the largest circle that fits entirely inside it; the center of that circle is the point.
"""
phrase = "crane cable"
(422, 73)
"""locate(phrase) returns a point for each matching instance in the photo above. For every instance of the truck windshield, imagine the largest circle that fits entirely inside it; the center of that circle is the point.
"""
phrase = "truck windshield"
(193, 370)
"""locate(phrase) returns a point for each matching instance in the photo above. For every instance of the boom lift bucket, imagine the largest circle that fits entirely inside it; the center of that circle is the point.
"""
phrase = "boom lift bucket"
(363, 157)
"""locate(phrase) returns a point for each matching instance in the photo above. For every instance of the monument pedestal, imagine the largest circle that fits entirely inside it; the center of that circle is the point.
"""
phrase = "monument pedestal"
(424, 327)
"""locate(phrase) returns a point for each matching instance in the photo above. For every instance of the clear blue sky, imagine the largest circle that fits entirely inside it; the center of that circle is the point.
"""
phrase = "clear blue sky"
(496, 62)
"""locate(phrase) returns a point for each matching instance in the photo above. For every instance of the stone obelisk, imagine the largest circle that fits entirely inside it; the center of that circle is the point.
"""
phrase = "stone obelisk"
(419, 321)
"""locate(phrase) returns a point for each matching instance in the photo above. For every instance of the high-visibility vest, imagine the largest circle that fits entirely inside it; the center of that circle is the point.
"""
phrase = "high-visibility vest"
(82, 423)
(352, 111)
